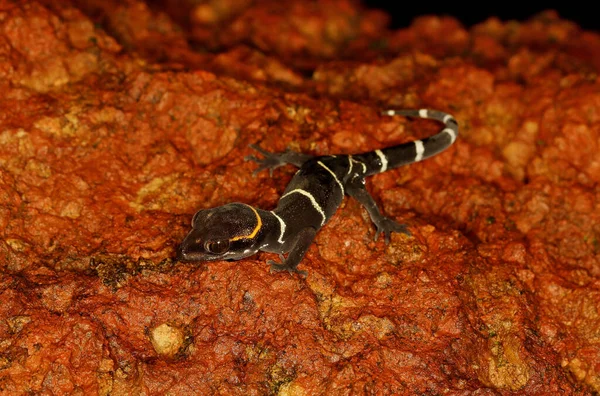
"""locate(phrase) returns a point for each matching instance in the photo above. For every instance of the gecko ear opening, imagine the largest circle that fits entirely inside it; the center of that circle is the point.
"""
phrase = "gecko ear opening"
(217, 247)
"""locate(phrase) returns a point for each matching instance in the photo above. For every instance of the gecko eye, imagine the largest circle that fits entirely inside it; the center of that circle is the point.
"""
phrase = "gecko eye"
(217, 247)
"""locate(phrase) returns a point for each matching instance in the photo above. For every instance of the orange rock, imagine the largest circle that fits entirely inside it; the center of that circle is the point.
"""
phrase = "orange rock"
(114, 130)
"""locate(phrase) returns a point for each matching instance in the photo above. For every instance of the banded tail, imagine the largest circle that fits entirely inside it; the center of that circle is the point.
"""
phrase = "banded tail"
(392, 157)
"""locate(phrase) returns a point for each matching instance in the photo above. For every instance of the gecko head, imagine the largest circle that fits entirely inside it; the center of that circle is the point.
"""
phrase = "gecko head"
(228, 232)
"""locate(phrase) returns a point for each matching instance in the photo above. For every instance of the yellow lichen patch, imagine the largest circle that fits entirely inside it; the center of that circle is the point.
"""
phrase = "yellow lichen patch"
(156, 194)
(330, 306)
(71, 209)
(291, 389)
(16, 323)
(105, 378)
(18, 144)
(106, 115)
(61, 127)
(400, 253)
(333, 306)
(50, 125)
(506, 367)
(298, 113)
(576, 367)
(167, 340)
(52, 75)
(256, 353)
(582, 372)
(379, 327)
(38, 168)
(4, 363)
(383, 280)
(17, 245)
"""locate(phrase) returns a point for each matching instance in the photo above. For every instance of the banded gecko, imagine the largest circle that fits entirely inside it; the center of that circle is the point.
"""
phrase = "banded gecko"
(237, 230)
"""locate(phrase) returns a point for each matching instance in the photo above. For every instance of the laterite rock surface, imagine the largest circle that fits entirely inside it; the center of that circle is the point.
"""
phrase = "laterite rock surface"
(119, 120)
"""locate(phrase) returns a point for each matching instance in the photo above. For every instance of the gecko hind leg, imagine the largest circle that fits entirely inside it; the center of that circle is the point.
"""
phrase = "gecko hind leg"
(272, 161)
(384, 225)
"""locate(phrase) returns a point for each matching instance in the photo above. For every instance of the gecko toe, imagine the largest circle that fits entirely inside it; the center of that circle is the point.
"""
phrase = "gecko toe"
(386, 226)
(279, 267)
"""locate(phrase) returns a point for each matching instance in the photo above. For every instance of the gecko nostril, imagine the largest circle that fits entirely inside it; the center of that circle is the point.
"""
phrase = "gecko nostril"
(181, 252)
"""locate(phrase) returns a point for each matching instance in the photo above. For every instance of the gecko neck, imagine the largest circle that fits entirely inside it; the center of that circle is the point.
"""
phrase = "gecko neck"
(271, 234)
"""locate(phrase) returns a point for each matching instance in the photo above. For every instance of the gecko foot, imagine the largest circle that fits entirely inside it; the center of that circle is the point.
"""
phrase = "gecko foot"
(271, 161)
(278, 267)
(386, 226)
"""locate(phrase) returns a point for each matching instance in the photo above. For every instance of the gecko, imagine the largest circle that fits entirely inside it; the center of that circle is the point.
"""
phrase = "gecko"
(237, 230)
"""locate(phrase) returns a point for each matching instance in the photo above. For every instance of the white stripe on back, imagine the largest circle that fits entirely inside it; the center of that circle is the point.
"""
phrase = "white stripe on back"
(281, 227)
(334, 176)
(312, 201)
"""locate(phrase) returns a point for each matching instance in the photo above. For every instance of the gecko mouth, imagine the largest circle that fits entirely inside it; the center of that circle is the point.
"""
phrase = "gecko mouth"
(183, 254)
(191, 250)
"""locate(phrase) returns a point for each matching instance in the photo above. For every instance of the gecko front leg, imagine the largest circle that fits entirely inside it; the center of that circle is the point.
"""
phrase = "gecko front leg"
(301, 245)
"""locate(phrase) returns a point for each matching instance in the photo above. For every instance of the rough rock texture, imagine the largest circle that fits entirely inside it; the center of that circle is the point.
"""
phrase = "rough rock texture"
(119, 120)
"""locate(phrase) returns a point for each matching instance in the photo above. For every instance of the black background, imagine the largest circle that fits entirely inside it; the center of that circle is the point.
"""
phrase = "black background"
(403, 12)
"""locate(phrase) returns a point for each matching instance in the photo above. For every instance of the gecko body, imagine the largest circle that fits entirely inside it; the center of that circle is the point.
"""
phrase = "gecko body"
(237, 230)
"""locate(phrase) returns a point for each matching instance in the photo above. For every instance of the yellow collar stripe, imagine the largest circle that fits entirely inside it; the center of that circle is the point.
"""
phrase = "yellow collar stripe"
(254, 231)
